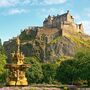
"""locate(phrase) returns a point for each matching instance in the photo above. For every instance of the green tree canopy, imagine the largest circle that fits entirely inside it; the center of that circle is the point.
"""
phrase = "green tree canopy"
(34, 73)
(67, 72)
(49, 72)
(2, 64)
(2, 51)
(83, 57)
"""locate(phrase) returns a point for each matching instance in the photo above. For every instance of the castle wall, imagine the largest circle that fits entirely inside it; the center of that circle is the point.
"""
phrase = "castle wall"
(71, 27)
(65, 23)
(57, 21)
(70, 18)
(48, 24)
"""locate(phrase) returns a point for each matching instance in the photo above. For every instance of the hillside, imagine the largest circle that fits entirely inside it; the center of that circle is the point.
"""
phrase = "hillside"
(60, 46)
(59, 36)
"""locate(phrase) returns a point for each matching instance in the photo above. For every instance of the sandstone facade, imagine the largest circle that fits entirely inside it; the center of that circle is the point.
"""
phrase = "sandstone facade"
(60, 25)
(51, 39)
(65, 23)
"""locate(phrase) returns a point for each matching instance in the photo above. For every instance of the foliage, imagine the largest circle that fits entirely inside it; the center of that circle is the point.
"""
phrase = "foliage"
(76, 69)
(67, 72)
(55, 40)
(34, 73)
(3, 76)
(83, 57)
(49, 72)
(27, 49)
(62, 58)
(27, 35)
(1, 48)
(80, 40)
(2, 64)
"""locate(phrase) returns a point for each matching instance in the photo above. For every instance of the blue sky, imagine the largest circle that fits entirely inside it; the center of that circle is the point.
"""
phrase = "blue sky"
(15, 15)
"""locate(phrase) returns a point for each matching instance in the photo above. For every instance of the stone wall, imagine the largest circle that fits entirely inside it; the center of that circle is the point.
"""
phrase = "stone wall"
(63, 22)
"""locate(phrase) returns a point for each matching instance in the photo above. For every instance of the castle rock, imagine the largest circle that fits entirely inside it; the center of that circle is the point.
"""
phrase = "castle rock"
(52, 39)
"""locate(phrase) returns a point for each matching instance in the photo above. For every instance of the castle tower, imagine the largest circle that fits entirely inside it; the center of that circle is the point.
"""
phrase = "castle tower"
(48, 22)
(81, 27)
(17, 68)
(69, 17)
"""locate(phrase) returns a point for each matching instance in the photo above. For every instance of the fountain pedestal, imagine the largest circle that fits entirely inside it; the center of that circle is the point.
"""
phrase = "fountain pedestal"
(17, 68)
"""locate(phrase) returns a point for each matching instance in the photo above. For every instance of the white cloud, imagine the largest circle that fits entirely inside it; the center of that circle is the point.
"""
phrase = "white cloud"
(5, 3)
(85, 22)
(50, 2)
(88, 12)
(77, 18)
(15, 11)
(44, 2)
(26, 1)
(86, 26)
(55, 11)
(52, 11)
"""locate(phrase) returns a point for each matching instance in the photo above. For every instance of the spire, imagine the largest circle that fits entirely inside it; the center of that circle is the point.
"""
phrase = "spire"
(49, 17)
(17, 68)
(68, 11)
(18, 44)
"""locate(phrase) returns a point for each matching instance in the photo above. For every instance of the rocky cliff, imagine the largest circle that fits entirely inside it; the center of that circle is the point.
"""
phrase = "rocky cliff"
(59, 36)
(56, 47)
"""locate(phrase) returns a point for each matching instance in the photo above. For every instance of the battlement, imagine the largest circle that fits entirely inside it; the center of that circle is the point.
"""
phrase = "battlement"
(60, 25)
(53, 21)
(64, 21)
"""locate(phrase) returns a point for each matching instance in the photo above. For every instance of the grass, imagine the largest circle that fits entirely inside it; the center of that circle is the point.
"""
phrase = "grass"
(80, 41)
(55, 40)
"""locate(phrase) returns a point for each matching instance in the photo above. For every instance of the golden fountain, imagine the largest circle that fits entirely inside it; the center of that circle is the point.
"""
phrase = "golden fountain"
(17, 68)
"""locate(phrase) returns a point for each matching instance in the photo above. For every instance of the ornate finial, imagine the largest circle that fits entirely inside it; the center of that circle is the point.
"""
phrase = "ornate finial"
(18, 43)
(18, 40)
(49, 16)
(17, 68)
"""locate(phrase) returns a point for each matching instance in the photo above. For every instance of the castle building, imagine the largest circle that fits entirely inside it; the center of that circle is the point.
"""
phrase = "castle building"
(65, 23)
(54, 26)
(42, 39)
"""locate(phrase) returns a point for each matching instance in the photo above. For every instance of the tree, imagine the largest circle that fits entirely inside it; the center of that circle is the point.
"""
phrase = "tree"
(2, 64)
(67, 72)
(49, 72)
(2, 51)
(34, 73)
(2, 69)
(83, 57)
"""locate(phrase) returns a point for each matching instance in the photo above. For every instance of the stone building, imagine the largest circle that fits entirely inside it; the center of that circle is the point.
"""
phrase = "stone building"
(47, 34)
(55, 26)
(65, 23)
(47, 41)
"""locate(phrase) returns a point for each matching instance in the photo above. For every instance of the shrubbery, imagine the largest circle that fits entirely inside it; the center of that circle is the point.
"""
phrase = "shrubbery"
(70, 71)
(34, 73)
(2, 64)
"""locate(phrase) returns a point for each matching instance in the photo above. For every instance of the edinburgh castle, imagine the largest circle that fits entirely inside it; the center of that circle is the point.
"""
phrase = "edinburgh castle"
(64, 23)
(55, 26)
(58, 36)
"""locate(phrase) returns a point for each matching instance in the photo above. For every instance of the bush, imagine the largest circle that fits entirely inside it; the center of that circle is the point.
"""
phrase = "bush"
(49, 72)
(34, 73)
